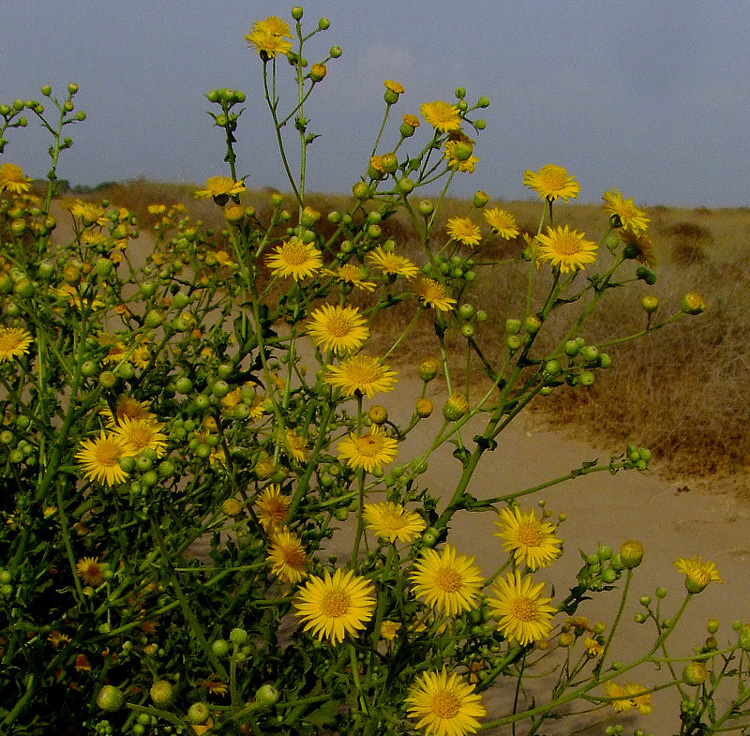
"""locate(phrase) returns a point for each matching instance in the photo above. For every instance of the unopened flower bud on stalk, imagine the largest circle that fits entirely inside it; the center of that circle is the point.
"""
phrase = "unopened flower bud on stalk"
(693, 303)
(631, 553)
(428, 369)
(455, 408)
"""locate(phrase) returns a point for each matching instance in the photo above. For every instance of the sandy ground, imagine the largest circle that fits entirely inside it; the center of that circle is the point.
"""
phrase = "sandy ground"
(669, 520)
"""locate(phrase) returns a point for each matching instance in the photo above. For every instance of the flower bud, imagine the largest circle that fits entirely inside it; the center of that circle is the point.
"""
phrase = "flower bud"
(631, 553)
(424, 408)
(650, 304)
(426, 208)
(198, 713)
(110, 698)
(693, 303)
(695, 673)
(335, 52)
(297, 12)
(266, 696)
(455, 408)
(712, 625)
(161, 693)
(318, 72)
(378, 414)
(480, 199)
(428, 369)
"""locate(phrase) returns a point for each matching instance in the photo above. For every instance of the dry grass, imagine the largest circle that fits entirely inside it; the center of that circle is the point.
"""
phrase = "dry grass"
(679, 392)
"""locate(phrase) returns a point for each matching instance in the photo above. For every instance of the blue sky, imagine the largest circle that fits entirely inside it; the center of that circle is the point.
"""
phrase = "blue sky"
(650, 97)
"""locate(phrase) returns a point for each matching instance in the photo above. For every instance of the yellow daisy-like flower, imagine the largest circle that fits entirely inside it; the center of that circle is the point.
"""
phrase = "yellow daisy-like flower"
(14, 342)
(523, 615)
(630, 695)
(294, 259)
(628, 215)
(528, 539)
(351, 275)
(273, 508)
(338, 329)
(267, 36)
(464, 231)
(287, 557)
(593, 647)
(394, 87)
(552, 182)
(566, 248)
(698, 574)
(501, 222)
(89, 213)
(444, 705)
(465, 165)
(448, 581)
(441, 115)
(137, 435)
(76, 299)
(215, 687)
(295, 445)
(335, 605)
(368, 451)
(393, 522)
(13, 180)
(389, 629)
(432, 294)
(90, 571)
(391, 264)
(99, 459)
(641, 246)
(127, 408)
(361, 374)
(220, 186)
(58, 639)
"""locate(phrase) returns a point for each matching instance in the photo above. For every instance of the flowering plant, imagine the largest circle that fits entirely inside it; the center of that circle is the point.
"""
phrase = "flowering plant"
(209, 525)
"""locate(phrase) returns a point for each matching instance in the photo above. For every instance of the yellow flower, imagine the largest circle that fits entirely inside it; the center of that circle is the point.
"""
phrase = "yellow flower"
(566, 248)
(221, 187)
(627, 215)
(335, 605)
(392, 521)
(528, 539)
(445, 705)
(389, 629)
(127, 407)
(593, 647)
(432, 294)
(698, 574)
(368, 451)
(215, 687)
(448, 581)
(352, 275)
(630, 695)
(267, 37)
(361, 374)
(99, 459)
(391, 264)
(287, 557)
(693, 303)
(441, 115)
(338, 329)
(412, 120)
(58, 639)
(394, 87)
(502, 222)
(137, 435)
(13, 180)
(523, 615)
(90, 571)
(464, 231)
(14, 342)
(465, 165)
(89, 213)
(295, 445)
(294, 258)
(273, 508)
(551, 182)
(639, 247)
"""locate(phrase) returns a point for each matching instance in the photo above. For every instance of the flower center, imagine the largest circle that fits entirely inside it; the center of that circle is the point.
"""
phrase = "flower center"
(294, 557)
(139, 437)
(108, 453)
(393, 522)
(529, 535)
(295, 254)
(523, 609)
(448, 579)
(555, 180)
(338, 326)
(566, 246)
(445, 704)
(369, 445)
(335, 604)
(9, 341)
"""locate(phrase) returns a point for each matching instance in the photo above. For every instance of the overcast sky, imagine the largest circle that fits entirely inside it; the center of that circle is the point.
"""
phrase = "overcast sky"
(650, 96)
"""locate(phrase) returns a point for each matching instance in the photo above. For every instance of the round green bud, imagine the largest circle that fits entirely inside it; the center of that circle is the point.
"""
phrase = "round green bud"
(480, 199)
(110, 698)
(468, 330)
(425, 208)
(466, 311)
(631, 553)
(712, 625)
(238, 636)
(161, 693)
(335, 52)
(46, 90)
(73, 88)
(480, 124)
(297, 12)
(361, 191)
(513, 326)
(324, 24)
(650, 304)
(266, 696)
(405, 185)
(695, 673)
(198, 713)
